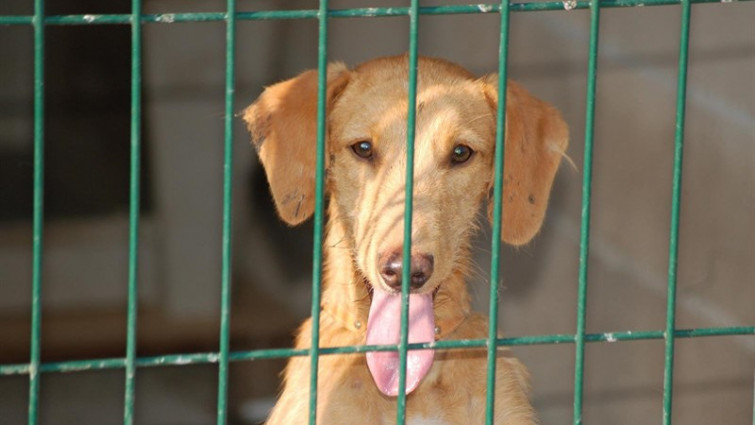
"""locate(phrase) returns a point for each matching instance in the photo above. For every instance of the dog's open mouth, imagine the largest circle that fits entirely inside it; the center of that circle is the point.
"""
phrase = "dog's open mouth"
(384, 327)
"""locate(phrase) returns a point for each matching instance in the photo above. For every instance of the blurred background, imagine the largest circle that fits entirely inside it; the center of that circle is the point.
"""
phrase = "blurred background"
(86, 206)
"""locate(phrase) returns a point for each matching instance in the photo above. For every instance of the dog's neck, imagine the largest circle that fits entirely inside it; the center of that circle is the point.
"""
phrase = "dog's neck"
(346, 298)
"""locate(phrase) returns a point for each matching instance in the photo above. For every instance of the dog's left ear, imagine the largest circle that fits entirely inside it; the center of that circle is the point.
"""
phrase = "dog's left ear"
(283, 126)
(536, 139)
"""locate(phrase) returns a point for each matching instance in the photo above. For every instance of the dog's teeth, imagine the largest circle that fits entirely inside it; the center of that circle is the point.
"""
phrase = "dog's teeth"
(357, 324)
(437, 330)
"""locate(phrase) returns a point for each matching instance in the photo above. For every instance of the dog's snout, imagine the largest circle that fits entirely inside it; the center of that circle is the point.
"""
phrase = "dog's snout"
(422, 269)
(390, 265)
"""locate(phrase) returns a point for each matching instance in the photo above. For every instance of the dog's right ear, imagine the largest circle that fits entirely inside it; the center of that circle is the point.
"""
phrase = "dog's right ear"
(536, 139)
(283, 126)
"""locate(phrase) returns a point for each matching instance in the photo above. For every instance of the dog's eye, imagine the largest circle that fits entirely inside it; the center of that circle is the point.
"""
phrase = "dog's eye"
(363, 149)
(460, 154)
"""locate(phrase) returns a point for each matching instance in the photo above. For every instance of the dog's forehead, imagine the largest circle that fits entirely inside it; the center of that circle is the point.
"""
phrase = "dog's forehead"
(375, 102)
(390, 76)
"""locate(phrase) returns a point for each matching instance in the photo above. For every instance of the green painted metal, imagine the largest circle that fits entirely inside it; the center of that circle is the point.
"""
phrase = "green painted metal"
(131, 362)
(209, 358)
(226, 273)
(584, 242)
(38, 209)
(319, 215)
(372, 12)
(276, 353)
(495, 249)
(676, 205)
(134, 198)
(408, 210)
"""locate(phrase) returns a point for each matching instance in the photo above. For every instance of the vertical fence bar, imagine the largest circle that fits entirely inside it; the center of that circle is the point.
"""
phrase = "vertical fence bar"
(584, 242)
(317, 256)
(495, 255)
(681, 95)
(134, 193)
(38, 208)
(408, 195)
(225, 295)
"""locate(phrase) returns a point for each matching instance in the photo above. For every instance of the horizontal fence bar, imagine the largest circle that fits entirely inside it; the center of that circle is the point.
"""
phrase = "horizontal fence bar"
(213, 357)
(169, 18)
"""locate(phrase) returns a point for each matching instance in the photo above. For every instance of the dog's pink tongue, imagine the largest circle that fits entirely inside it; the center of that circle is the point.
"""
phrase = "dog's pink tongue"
(384, 327)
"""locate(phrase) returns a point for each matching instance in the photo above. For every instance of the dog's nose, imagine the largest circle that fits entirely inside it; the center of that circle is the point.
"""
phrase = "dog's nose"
(390, 269)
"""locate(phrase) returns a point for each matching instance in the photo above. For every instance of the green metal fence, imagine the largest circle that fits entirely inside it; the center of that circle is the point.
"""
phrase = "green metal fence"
(130, 362)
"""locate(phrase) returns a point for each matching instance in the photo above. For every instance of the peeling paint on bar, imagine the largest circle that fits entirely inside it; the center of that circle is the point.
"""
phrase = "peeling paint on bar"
(167, 18)
(182, 360)
(570, 4)
(32, 371)
(91, 365)
(371, 11)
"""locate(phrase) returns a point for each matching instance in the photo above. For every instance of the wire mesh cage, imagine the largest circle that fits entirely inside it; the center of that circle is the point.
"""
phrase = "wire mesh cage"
(580, 338)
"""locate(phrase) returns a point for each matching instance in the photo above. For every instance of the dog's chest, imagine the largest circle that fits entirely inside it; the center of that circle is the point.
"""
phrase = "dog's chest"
(425, 420)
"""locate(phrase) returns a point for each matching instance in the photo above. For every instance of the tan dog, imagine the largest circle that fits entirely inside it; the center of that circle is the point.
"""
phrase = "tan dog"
(366, 167)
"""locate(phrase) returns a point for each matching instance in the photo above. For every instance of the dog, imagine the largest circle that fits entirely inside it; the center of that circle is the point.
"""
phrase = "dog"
(365, 177)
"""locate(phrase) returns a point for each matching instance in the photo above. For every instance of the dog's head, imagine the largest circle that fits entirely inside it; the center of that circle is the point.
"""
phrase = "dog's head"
(366, 162)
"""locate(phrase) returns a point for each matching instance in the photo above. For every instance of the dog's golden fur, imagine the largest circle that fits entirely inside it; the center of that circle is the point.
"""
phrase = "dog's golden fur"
(369, 103)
